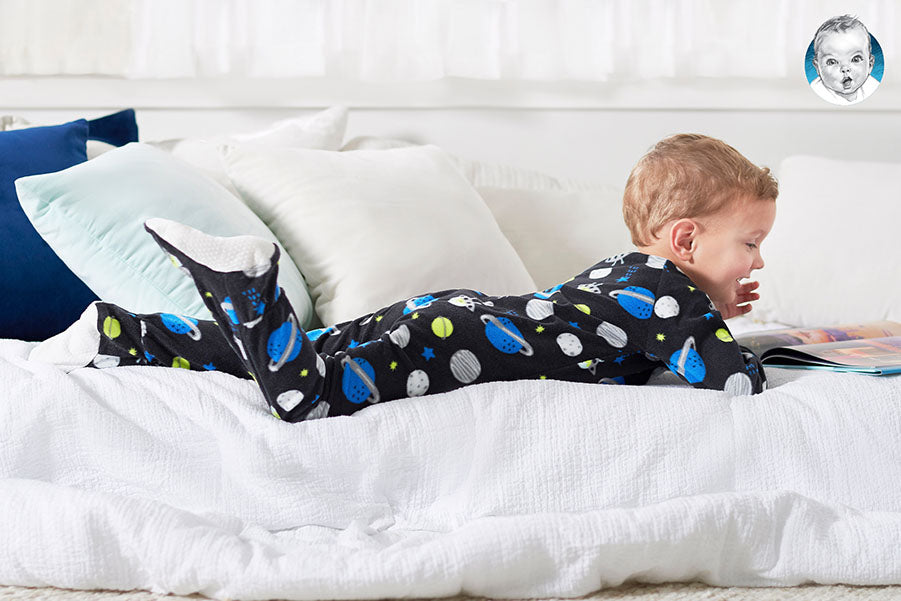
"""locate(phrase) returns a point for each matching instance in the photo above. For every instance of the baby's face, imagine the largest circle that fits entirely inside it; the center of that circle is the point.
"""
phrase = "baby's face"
(843, 61)
(728, 248)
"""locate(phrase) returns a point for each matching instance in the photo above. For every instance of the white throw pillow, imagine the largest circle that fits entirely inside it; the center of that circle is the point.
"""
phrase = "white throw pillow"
(559, 234)
(559, 227)
(481, 174)
(834, 254)
(10, 122)
(323, 130)
(369, 228)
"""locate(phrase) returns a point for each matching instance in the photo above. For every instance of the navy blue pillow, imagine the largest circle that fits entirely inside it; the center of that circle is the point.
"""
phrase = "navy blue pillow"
(117, 129)
(41, 297)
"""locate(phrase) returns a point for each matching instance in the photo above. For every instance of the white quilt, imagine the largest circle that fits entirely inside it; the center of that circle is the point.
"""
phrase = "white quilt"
(181, 482)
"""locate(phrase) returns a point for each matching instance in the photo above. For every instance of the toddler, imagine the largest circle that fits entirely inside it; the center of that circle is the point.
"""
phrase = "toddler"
(698, 211)
(843, 59)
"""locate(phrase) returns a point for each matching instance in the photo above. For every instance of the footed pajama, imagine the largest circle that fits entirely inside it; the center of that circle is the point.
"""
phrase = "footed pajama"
(614, 323)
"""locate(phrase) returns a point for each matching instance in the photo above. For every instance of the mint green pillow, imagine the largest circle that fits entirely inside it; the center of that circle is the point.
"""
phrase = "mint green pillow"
(92, 215)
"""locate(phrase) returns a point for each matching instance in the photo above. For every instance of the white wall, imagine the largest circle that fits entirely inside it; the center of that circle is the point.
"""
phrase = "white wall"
(595, 145)
(603, 145)
(592, 133)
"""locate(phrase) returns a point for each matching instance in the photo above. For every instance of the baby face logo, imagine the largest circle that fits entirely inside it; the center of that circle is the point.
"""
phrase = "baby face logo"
(844, 62)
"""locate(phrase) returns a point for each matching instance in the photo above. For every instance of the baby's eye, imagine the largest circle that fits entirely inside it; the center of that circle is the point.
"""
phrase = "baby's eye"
(831, 62)
(857, 59)
(751, 245)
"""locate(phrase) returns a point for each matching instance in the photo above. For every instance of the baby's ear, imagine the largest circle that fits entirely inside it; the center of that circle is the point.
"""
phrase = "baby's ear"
(682, 238)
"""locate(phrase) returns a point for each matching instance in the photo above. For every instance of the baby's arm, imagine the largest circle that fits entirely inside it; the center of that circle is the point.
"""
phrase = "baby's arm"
(689, 336)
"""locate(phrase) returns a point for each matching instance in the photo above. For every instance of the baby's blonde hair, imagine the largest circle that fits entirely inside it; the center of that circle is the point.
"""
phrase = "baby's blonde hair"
(689, 175)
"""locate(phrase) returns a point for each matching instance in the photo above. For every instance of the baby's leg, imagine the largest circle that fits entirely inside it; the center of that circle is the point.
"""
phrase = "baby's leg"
(163, 339)
(237, 280)
(109, 336)
(376, 362)
(349, 334)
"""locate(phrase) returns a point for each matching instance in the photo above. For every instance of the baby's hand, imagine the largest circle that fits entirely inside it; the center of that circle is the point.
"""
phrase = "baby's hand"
(743, 298)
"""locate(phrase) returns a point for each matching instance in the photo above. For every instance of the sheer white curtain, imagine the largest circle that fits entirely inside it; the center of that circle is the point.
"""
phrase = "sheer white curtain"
(422, 40)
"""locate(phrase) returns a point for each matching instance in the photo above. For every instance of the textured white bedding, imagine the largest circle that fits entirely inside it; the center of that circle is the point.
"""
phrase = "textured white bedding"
(182, 482)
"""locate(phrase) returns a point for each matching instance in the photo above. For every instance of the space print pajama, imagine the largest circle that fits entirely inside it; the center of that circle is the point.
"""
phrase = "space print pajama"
(614, 323)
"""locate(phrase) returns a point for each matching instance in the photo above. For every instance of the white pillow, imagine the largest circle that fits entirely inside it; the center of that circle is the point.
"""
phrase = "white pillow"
(323, 130)
(559, 227)
(10, 122)
(559, 234)
(834, 254)
(369, 228)
(481, 174)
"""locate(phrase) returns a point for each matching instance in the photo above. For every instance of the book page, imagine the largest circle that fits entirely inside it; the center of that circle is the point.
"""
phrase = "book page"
(760, 342)
(870, 352)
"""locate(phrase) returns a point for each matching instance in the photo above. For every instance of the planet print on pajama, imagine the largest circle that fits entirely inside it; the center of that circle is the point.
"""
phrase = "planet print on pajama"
(465, 366)
(569, 344)
(549, 292)
(687, 362)
(739, 384)
(539, 309)
(105, 361)
(666, 307)
(442, 327)
(637, 301)
(112, 329)
(358, 381)
(320, 410)
(289, 399)
(417, 383)
(400, 336)
(317, 334)
(229, 309)
(178, 324)
(505, 336)
(614, 335)
(284, 344)
(724, 335)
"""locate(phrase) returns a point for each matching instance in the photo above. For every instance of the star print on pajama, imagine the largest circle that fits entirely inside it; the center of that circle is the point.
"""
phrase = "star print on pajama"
(616, 322)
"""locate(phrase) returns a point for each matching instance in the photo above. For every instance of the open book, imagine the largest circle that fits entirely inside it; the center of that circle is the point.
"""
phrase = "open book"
(870, 348)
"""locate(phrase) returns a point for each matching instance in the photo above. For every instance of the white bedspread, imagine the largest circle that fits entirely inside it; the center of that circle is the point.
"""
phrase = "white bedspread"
(181, 482)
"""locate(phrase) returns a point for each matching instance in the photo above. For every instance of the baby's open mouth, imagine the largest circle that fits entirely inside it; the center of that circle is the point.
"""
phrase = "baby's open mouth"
(846, 82)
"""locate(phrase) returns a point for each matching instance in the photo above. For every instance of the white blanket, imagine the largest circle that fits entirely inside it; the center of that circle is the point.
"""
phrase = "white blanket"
(181, 482)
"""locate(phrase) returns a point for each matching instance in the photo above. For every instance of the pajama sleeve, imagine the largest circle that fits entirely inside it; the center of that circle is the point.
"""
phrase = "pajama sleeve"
(688, 335)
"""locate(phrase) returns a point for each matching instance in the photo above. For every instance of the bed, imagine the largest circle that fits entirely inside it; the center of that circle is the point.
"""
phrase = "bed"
(181, 482)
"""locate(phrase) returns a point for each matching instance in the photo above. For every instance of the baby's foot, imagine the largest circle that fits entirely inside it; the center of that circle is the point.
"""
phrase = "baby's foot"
(248, 254)
(236, 276)
(75, 347)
